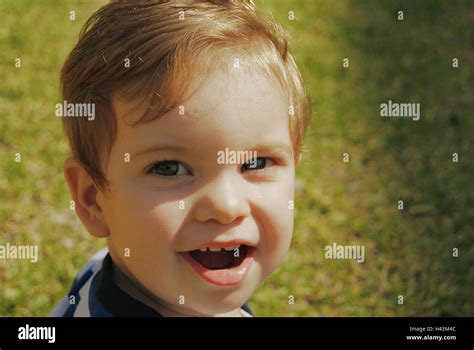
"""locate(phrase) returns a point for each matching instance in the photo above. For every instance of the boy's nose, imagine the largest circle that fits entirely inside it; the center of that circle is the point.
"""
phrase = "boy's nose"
(222, 200)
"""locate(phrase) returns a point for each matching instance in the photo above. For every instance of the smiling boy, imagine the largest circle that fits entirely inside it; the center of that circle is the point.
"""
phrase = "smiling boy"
(175, 83)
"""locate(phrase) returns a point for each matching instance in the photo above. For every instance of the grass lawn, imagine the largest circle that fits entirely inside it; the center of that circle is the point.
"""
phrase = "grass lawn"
(408, 252)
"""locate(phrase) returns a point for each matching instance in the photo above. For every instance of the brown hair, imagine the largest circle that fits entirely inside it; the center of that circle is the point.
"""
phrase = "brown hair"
(166, 42)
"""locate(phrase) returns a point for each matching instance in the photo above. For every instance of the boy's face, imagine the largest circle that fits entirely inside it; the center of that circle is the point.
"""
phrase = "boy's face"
(175, 196)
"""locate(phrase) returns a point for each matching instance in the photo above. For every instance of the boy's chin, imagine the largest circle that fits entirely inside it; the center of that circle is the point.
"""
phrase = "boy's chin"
(218, 300)
(212, 306)
(216, 309)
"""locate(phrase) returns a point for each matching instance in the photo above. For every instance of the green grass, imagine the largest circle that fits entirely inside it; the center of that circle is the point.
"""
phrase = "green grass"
(407, 252)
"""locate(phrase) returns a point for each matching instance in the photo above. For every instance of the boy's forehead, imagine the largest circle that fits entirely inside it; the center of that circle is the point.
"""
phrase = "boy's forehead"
(236, 88)
(232, 100)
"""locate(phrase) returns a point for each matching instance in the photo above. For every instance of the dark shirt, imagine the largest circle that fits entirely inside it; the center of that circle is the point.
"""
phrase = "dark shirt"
(94, 294)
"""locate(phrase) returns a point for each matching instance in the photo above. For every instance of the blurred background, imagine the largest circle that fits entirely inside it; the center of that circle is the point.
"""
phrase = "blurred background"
(408, 252)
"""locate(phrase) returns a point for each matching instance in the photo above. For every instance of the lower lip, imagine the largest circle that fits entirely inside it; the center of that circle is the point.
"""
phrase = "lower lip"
(224, 277)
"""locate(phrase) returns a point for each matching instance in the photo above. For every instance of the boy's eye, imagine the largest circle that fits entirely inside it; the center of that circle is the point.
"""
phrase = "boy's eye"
(168, 168)
(257, 163)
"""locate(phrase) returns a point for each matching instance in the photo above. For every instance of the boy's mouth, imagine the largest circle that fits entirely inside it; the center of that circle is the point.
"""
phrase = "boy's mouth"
(223, 266)
(220, 258)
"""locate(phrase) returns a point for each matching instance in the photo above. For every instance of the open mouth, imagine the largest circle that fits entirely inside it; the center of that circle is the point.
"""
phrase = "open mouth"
(218, 259)
(227, 266)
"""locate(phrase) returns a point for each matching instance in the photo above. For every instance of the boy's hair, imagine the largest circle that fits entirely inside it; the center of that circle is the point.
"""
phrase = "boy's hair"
(167, 42)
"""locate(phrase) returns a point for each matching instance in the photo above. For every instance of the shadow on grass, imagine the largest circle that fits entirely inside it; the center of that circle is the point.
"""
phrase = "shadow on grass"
(410, 61)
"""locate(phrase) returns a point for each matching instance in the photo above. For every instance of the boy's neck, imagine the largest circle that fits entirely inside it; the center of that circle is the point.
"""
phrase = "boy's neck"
(134, 290)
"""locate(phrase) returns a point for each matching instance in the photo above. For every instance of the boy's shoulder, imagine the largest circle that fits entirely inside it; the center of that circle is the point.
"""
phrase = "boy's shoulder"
(94, 294)
(82, 299)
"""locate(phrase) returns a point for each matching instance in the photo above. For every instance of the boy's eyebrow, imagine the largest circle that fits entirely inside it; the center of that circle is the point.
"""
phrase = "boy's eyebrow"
(158, 148)
(279, 148)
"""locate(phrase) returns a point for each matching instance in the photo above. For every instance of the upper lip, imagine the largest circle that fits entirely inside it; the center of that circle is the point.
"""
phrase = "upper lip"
(225, 244)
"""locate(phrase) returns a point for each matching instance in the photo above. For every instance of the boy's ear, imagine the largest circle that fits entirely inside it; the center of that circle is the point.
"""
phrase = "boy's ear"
(84, 193)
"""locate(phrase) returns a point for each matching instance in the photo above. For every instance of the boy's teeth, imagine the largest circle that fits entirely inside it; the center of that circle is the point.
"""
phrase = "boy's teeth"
(215, 249)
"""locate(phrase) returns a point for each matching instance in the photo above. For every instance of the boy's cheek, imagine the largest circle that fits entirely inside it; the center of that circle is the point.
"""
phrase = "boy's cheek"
(276, 235)
(270, 258)
(154, 225)
(145, 206)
